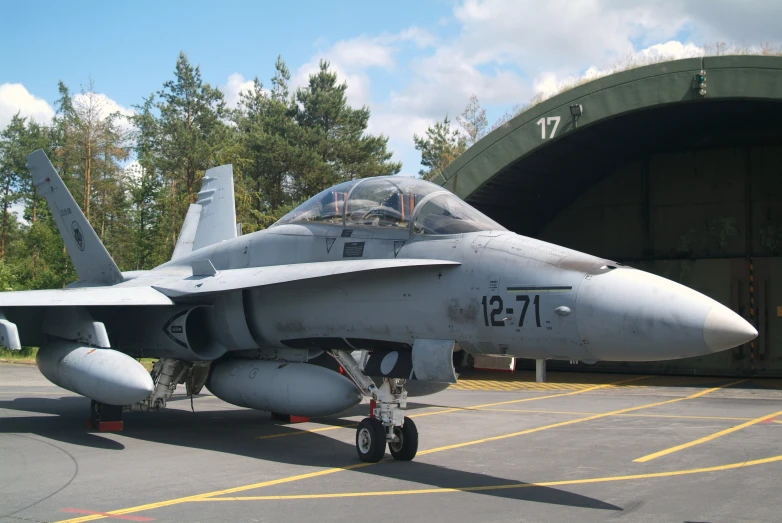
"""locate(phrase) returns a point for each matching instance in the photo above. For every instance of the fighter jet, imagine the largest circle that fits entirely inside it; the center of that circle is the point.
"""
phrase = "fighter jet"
(393, 269)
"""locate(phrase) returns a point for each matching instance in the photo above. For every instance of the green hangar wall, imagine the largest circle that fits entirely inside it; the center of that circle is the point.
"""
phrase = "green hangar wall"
(674, 168)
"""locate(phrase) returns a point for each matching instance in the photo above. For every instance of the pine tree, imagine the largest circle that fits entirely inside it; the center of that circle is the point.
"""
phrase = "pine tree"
(336, 134)
(11, 152)
(295, 146)
(181, 133)
(190, 125)
(439, 148)
(21, 137)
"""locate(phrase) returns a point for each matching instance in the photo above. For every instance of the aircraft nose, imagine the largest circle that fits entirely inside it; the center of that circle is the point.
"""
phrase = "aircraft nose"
(724, 329)
(631, 315)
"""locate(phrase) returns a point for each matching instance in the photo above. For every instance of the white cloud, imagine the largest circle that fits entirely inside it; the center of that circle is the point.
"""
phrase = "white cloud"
(672, 50)
(507, 51)
(233, 87)
(361, 53)
(15, 98)
(352, 59)
(549, 83)
(103, 106)
(503, 53)
(535, 35)
(420, 37)
(445, 81)
(743, 23)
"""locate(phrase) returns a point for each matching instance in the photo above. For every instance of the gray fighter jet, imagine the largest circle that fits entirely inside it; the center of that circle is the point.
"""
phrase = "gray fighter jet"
(394, 270)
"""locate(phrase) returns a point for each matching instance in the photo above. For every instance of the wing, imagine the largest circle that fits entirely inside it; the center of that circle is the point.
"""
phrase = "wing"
(261, 276)
(84, 296)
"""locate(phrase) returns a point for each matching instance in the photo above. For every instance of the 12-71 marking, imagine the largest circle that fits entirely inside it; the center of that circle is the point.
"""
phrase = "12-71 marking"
(490, 316)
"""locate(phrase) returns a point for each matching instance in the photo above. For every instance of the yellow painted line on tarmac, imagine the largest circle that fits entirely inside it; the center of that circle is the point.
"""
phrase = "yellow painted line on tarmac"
(672, 416)
(484, 488)
(199, 497)
(449, 410)
(704, 439)
(568, 381)
(578, 420)
(523, 400)
(490, 386)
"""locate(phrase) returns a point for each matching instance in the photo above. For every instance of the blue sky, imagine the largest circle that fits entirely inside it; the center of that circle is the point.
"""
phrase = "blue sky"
(411, 62)
(130, 47)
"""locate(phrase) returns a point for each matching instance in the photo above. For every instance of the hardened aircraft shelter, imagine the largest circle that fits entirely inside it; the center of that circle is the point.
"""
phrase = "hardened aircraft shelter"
(673, 168)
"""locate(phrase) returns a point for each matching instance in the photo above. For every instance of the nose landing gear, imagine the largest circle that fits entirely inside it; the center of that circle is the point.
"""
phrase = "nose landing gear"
(387, 423)
(388, 413)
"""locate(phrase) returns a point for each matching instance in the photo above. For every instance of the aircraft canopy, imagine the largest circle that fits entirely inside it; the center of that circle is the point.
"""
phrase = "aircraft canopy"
(391, 201)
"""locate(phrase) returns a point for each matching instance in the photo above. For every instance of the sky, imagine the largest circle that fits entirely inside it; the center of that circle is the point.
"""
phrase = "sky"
(410, 62)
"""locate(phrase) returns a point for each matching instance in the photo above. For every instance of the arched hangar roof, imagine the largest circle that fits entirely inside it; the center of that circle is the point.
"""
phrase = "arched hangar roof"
(525, 172)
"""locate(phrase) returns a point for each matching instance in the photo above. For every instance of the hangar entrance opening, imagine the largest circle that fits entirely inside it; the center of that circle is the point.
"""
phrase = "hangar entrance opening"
(659, 178)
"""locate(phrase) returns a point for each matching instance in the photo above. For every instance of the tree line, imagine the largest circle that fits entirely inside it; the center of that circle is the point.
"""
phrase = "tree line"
(285, 145)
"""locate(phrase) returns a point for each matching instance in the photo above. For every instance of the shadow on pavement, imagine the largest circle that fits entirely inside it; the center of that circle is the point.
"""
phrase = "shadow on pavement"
(236, 431)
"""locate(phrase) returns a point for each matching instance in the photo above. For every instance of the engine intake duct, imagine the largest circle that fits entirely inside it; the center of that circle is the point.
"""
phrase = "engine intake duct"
(186, 333)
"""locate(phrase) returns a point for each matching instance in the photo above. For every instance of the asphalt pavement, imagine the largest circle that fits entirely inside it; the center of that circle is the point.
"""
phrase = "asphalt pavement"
(632, 448)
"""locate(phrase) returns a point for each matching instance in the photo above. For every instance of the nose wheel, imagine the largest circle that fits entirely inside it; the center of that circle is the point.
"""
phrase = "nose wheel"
(370, 440)
(404, 446)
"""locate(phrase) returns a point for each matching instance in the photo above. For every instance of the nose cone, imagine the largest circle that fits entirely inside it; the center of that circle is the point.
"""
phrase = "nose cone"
(631, 315)
(724, 329)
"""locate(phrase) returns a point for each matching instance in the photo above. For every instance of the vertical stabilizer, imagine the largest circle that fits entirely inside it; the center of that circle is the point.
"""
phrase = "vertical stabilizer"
(184, 244)
(218, 213)
(90, 258)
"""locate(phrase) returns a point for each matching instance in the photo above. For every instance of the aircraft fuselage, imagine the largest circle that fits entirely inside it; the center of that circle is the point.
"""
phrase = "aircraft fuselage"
(510, 295)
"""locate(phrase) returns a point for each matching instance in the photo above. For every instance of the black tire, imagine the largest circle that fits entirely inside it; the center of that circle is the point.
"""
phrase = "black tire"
(370, 440)
(96, 413)
(406, 448)
(103, 412)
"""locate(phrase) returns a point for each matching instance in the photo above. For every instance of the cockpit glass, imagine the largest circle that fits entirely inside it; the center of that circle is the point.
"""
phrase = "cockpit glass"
(324, 207)
(447, 214)
(386, 201)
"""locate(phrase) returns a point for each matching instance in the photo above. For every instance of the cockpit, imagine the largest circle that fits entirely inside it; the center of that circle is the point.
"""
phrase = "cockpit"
(392, 201)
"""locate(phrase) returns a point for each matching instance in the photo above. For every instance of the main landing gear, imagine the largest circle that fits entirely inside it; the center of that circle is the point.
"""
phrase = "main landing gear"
(387, 423)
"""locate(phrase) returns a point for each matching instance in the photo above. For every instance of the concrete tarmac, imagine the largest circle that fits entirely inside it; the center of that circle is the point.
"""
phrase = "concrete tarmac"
(621, 447)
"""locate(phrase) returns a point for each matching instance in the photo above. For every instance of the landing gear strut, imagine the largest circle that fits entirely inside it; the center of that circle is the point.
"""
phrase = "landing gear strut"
(387, 423)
